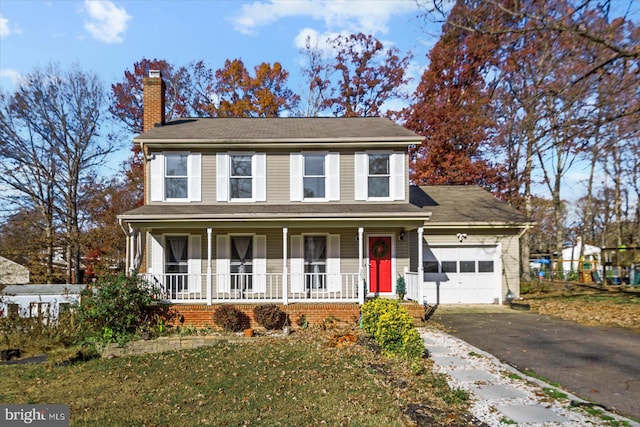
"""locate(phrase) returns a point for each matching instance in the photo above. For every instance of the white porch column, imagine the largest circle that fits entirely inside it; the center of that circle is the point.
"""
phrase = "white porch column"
(420, 266)
(361, 289)
(285, 269)
(131, 250)
(209, 255)
(127, 262)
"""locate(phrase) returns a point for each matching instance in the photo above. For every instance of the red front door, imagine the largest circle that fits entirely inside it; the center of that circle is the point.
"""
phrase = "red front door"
(379, 264)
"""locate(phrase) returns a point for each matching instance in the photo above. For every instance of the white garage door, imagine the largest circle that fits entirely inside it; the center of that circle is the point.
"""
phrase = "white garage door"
(462, 275)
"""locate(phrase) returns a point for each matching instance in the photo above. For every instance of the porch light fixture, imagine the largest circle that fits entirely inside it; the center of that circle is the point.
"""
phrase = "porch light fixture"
(461, 237)
(401, 235)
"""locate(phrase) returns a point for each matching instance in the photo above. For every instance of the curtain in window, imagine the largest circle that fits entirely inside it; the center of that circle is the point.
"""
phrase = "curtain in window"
(242, 248)
(177, 250)
(315, 256)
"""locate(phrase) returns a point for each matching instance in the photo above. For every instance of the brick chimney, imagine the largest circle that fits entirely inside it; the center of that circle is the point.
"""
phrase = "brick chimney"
(154, 89)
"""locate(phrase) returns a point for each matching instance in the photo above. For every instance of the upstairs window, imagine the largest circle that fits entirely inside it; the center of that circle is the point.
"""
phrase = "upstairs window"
(379, 176)
(314, 176)
(176, 177)
(240, 177)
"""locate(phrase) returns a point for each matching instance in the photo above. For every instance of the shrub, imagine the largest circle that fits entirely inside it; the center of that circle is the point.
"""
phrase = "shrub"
(114, 308)
(372, 310)
(270, 316)
(230, 318)
(392, 327)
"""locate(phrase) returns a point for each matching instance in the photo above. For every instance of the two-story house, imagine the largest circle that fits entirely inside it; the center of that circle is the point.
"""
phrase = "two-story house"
(305, 210)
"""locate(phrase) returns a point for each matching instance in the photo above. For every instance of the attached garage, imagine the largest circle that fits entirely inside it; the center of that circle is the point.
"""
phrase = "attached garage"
(462, 275)
(470, 250)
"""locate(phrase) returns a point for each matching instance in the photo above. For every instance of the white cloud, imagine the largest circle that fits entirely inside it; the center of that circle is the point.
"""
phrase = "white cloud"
(4, 27)
(107, 22)
(354, 16)
(9, 74)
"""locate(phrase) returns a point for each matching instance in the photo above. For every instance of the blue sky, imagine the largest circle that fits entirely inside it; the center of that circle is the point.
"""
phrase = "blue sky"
(109, 36)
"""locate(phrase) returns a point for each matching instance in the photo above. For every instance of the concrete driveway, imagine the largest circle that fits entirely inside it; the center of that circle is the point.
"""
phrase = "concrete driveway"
(601, 365)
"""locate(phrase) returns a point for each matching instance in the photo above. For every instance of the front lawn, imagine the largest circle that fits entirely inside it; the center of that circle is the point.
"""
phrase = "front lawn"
(587, 304)
(297, 380)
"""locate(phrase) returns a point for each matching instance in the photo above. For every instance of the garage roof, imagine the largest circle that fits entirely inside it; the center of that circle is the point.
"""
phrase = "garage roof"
(465, 204)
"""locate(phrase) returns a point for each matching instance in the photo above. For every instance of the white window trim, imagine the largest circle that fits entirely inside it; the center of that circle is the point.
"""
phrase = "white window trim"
(326, 172)
(397, 176)
(194, 258)
(258, 177)
(332, 271)
(259, 262)
(158, 176)
(331, 177)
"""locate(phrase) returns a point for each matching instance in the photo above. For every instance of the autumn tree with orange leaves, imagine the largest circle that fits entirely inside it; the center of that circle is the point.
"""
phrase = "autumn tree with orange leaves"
(451, 108)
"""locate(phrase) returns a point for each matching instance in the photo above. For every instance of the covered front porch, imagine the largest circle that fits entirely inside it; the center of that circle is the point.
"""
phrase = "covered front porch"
(303, 265)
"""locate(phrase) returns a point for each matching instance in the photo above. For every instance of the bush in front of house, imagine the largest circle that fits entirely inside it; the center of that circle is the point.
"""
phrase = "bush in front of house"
(372, 310)
(270, 316)
(392, 327)
(230, 318)
(114, 308)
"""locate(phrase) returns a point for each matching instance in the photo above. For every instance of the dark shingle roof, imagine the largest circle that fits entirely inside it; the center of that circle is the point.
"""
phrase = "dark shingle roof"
(278, 130)
(464, 204)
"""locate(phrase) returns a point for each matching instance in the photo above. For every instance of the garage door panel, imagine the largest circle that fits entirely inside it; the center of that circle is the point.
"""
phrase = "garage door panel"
(471, 275)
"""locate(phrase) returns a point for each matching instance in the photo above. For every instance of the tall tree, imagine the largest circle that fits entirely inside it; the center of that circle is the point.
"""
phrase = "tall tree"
(570, 17)
(51, 129)
(361, 79)
(127, 95)
(232, 91)
(451, 108)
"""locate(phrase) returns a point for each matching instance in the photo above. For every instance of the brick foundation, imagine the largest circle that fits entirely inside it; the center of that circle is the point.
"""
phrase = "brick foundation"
(200, 316)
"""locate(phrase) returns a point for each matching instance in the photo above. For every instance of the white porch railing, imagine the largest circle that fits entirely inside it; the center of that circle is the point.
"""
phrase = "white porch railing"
(413, 283)
(248, 287)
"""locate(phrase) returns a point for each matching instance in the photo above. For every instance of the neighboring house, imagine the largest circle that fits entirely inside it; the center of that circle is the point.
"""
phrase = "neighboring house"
(46, 301)
(303, 210)
(571, 257)
(12, 273)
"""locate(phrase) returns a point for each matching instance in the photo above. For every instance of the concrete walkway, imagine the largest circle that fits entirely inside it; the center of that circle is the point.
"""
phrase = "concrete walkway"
(500, 394)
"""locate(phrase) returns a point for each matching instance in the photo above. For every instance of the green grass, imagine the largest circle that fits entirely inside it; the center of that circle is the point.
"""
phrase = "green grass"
(295, 381)
(554, 393)
(540, 377)
(596, 412)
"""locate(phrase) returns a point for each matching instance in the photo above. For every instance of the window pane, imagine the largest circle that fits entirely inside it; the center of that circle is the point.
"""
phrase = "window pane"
(449, 267)
(379, 186)
(176, 165)
(315, 262)
(430, 266)
(378, 164)
(313, 165)
(313, 187)
(241, 188)
(467, 266)
(240, 165)
(485, 266)
(176, 188)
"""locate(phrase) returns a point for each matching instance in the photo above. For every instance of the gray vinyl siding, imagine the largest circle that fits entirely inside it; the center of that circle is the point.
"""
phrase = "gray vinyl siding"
(208, 178)
(277, 175)
(278, 185)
